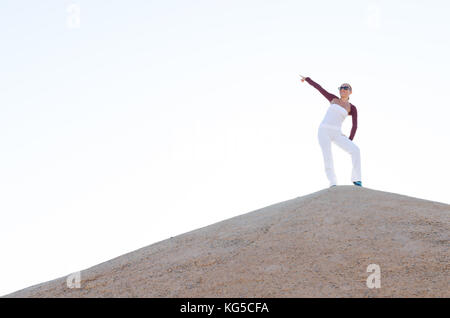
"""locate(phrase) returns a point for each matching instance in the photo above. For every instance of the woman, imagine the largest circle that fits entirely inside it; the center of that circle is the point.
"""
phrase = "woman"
(330, 131)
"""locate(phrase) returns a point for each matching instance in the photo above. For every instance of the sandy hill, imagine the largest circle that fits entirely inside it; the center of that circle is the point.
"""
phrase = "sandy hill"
(318, 245)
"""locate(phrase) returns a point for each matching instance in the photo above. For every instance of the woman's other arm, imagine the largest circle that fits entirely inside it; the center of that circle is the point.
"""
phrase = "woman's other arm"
(354, 114)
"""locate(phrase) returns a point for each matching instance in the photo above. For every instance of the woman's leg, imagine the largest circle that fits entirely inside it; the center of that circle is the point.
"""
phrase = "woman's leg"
(350, 147)
(325, 144)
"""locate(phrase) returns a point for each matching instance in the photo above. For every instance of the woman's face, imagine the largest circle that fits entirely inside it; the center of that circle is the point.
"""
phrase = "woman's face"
(345, 93)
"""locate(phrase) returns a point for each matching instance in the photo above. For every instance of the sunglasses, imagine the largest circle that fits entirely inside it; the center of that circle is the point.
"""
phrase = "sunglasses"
(344, 87)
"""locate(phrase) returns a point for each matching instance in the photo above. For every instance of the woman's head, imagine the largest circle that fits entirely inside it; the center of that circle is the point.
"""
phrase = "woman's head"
(345, 90)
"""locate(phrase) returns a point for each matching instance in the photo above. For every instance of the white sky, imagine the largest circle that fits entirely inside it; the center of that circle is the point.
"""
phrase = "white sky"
(154, 118)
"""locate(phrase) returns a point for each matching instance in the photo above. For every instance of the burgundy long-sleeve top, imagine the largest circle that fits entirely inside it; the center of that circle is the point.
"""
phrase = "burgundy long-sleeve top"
(330, 97)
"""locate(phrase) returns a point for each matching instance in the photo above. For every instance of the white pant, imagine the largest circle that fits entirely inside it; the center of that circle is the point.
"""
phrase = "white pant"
(326, 136)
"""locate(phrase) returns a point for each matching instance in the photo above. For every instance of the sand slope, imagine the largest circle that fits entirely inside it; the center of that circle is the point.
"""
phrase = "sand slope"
(318, 245)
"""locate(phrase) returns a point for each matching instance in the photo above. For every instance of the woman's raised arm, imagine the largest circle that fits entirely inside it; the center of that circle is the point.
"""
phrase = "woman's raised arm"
(327, 95)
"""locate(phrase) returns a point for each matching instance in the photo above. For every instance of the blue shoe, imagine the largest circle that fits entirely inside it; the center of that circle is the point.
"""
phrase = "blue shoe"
(357, 183)
(332, 186)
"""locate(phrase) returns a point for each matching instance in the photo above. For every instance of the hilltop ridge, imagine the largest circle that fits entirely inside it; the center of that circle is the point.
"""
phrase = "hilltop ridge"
(317, 245)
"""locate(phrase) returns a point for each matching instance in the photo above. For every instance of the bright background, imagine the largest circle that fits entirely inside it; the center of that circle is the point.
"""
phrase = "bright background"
(134, 121)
